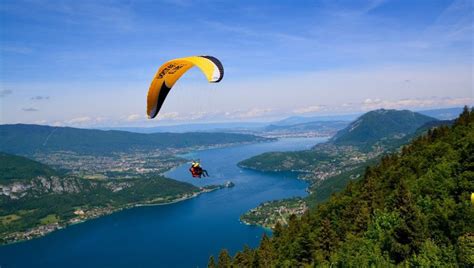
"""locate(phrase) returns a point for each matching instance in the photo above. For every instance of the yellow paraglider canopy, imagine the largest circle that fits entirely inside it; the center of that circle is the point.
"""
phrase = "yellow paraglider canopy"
(171, 71)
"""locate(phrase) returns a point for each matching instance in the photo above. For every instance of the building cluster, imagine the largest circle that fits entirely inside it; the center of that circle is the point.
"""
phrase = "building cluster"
(270, 213)
(33, 232)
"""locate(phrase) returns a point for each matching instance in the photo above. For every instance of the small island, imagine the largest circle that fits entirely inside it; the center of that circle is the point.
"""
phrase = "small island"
(229, 184)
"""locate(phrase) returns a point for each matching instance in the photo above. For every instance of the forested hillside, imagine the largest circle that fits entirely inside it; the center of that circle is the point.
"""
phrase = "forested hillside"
(13, 167)
(379, 125)
(412, 208)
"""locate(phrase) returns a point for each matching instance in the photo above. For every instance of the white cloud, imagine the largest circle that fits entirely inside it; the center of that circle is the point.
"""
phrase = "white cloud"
(309, 109)
(370, 101)
(134, 117)
(415, 103)
(79, 120)
(248, 114)
(215, 116)
(169, 115)
(41, 122)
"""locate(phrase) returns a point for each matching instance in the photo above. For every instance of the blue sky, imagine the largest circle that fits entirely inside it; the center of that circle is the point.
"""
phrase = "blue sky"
(89, 63)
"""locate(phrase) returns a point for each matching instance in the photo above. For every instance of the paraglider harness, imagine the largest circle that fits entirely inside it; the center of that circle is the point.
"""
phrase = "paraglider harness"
(197, 171)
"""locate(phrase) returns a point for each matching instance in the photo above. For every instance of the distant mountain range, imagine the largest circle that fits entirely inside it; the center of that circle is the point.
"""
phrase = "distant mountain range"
(27, 139)
(443, 114)
(261, 127)
(407, 121)
(309, 126)
(294, 120)
(202, 127)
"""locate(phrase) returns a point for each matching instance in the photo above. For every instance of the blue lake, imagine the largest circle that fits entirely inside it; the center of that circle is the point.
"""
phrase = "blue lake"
(183, 234)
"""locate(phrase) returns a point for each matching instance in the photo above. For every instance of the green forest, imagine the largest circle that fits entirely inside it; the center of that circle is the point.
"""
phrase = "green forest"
(411, 209)
(13, 167)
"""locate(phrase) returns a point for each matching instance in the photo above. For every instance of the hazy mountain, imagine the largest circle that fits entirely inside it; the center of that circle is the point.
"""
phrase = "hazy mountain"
(443, 114)
(297, 121)
(293, 120)
(204, 127)
(322, 126)
(27, 139)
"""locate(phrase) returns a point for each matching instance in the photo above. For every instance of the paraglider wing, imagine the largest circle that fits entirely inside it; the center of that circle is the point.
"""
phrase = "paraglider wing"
(171, 71)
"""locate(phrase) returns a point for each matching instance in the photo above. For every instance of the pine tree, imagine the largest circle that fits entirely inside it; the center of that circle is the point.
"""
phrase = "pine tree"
(211, 263)
(255, 260)
(466, 250)
(362, 219)
(239, 260)
(277, 230)
(306, 245)
(224, 260)
(326, 240)
(465, 117)
(265, 252)
(408, 235)
(244, 258)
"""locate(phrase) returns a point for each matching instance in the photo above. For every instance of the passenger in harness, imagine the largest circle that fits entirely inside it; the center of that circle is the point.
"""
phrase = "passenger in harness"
(197, 171)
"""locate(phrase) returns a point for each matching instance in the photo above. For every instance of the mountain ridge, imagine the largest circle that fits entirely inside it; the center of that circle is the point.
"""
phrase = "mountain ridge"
(28, 138)
(376, 125)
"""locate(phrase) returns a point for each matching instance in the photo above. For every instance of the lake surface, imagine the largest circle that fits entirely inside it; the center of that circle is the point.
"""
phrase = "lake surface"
(183, 234)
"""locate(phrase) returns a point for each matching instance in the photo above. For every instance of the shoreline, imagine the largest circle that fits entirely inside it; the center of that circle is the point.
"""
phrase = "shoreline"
(43, 230)
(51, 228)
